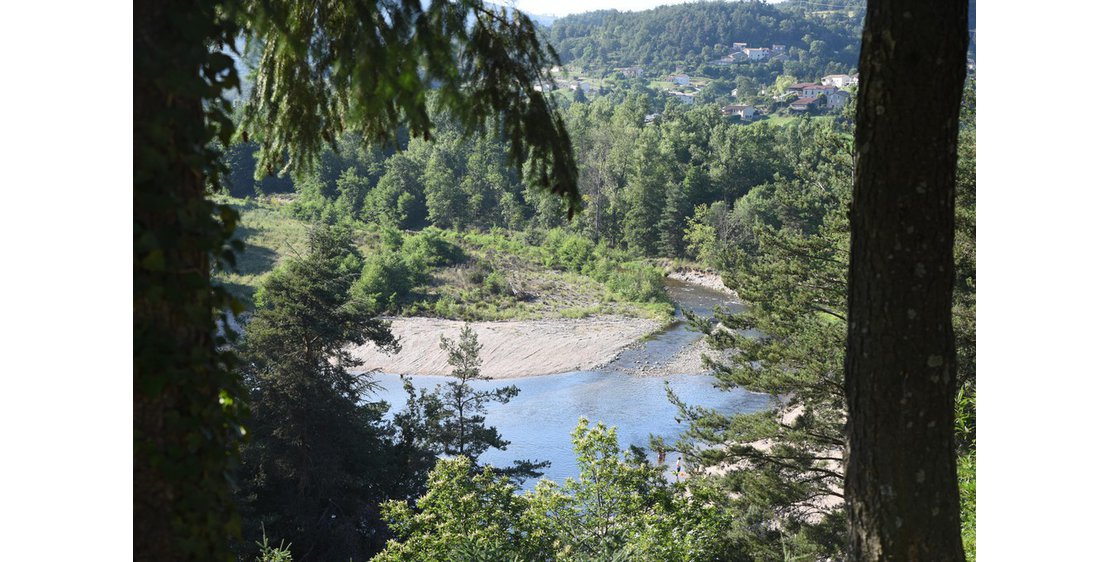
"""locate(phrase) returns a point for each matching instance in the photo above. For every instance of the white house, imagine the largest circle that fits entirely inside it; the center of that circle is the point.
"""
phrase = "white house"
(838, 80)
(744, 112)
(681, 79)
(757, 53)
(584, 86)
(631, 71)
(837, 99)
(778, 49)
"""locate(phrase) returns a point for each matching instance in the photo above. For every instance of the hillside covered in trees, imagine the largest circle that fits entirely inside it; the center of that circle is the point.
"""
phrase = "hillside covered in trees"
(819, 41)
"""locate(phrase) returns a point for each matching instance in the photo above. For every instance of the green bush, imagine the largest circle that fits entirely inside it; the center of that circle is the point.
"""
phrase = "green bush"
(390, 238)
(387, 278)
(432, 248)
(496, 284)
(637, 282)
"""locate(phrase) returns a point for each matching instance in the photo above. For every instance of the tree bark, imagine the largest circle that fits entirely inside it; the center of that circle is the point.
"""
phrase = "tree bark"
(900, 368)
(184, 439)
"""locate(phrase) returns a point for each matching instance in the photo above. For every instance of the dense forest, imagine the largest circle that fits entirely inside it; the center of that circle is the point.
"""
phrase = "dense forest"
(453, 219)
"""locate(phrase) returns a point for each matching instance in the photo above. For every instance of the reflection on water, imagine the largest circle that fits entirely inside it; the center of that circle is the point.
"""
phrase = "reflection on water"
(539, 420)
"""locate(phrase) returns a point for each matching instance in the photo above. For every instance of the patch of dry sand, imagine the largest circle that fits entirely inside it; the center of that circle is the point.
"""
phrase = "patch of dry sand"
(510, 349)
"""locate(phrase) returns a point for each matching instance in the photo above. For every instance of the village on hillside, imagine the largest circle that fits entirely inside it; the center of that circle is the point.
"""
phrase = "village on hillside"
(828, 96)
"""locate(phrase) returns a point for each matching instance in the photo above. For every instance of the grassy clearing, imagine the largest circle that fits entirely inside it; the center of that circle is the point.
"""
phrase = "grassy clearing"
(269, 236)
(497, 276)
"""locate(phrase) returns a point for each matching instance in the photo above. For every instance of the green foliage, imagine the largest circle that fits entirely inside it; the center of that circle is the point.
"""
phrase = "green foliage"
(628, 279)
(189, 404)
(321, 71)
(701, 233)
(432, 248)
(456, 410)
(636, 281)
(619, 508)
(386, 280)
(397, 200)
(567, 251)
(699, 33)
(784, 248)
(463, 508)
(965, 471)
(239, 180)
(965, 468)
(791, 267)
(318, 451)
(268, 553)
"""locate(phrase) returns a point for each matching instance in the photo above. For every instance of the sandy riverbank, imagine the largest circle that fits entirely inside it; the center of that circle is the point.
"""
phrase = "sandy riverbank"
(510, 349)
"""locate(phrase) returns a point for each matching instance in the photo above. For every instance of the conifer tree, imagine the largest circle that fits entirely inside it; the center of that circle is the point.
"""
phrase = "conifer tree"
(320, 453)
(462, 430)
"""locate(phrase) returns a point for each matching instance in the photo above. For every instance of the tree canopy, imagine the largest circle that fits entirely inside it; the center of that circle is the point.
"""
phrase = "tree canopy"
(314, 81)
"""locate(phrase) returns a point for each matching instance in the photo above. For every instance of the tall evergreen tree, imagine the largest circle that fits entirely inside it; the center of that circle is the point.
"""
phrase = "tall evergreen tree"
(461, 420)
(781, 467)
(319, 456)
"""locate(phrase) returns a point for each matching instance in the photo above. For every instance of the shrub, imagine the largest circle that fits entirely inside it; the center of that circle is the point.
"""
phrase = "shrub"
(387, 278)
(432, 248)
(495, 283)
(637, 282)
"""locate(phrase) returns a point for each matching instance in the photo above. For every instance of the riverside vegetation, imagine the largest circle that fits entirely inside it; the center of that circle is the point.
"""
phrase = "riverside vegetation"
(445, 229)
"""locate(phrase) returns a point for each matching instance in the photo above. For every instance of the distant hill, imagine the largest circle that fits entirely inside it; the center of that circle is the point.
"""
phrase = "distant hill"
(697, 33)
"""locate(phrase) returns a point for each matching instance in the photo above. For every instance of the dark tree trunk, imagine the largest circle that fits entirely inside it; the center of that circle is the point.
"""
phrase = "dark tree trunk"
(184, 438)
(900, 369)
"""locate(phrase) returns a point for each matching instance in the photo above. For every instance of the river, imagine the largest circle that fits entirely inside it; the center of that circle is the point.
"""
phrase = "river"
(538, 422)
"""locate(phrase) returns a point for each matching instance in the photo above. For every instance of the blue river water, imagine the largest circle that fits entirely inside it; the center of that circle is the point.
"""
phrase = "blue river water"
(539, 420)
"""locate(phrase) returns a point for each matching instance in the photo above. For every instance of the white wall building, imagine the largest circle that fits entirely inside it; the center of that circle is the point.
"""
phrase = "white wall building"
(814, 90)
(838, 80)
(744, 112)
(681, 79)
(758, 53)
